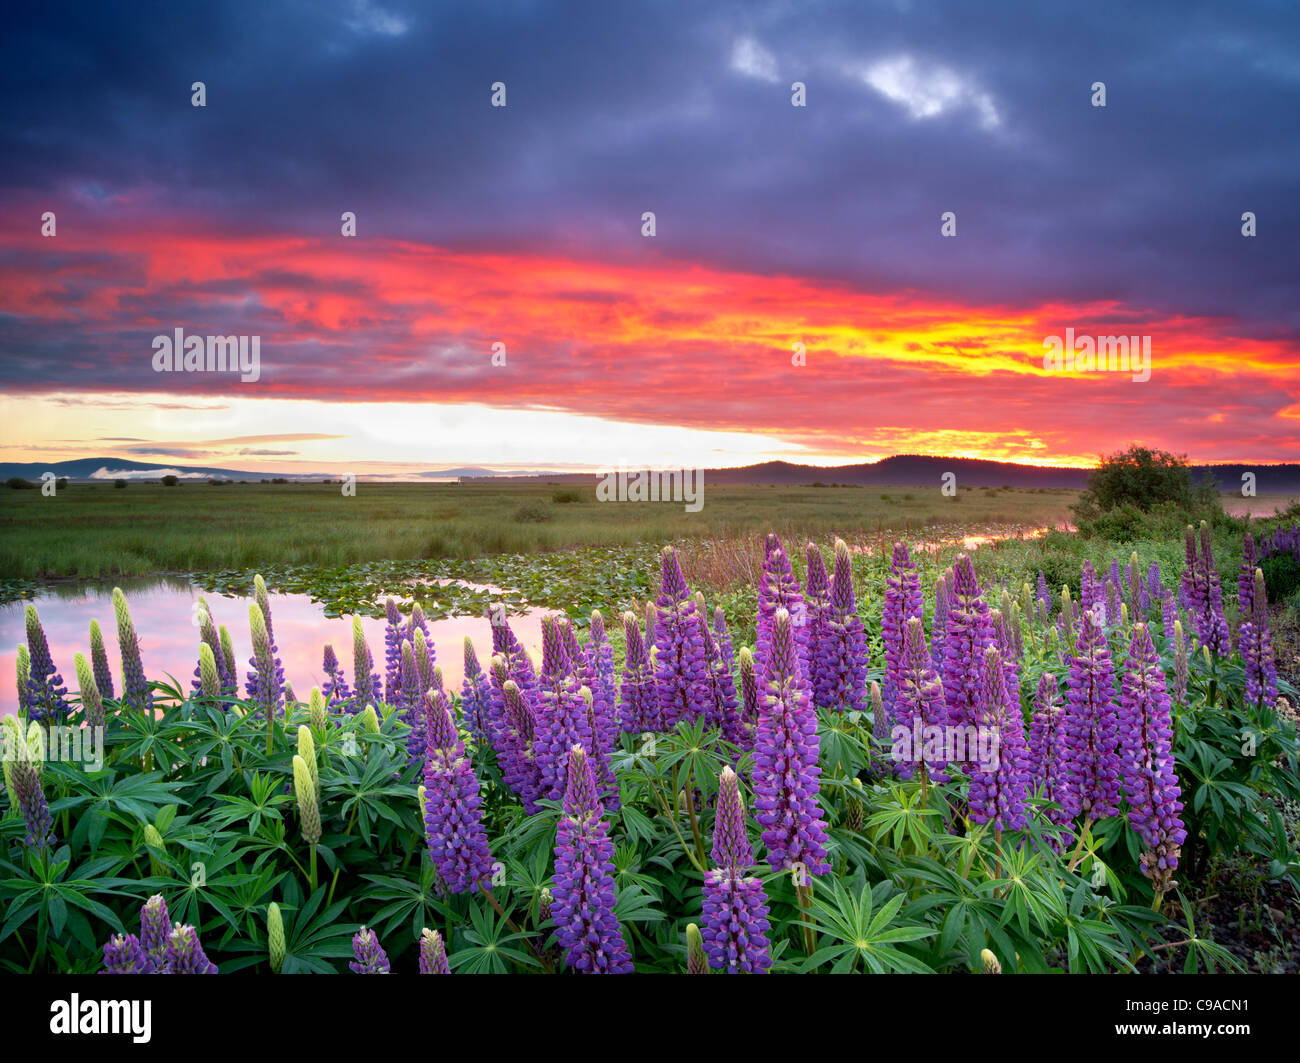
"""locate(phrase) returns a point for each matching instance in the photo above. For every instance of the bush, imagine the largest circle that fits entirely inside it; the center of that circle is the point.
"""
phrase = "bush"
(1281, 577)
(18, 483)
(531, 514)
(119, 483)
(563, 498)
(170, 481)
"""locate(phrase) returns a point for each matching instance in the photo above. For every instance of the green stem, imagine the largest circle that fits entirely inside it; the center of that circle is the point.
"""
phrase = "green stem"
(313, 869)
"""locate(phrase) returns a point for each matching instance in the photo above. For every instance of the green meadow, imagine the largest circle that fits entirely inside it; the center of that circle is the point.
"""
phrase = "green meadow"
(94, 530)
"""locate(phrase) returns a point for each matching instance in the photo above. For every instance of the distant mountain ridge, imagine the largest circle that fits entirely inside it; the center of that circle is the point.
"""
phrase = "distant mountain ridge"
(901, 470)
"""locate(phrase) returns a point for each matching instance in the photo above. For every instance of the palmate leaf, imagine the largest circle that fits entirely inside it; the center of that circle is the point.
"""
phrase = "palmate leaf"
(863, 934)
(491, 947)
(107, 798)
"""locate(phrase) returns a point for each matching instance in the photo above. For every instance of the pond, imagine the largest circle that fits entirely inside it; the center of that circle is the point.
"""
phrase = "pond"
(164, 615)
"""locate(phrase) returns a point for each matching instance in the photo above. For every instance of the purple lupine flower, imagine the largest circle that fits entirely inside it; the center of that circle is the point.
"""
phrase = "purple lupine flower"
(1155, 589)
(579, 666)
(651, 618)
(560, 715)
(410, 701)
(969, 633)
(135, 687)
(1150, 778)
(453, 824)
(597, 675)
(999, 785)
(939, 626)
(600, 657)
(1090, 592)
(227, 684)
(497, 723)
(785, 761)
(735, 904)
(817, 600)
(1092, 724)
(518, 764)
(370, 955)
(47, 700)
(841, 663)
(99, 661)
(393, 637)
(1257, 650)
(728, 697)
(1044, 595)
(582, 902)
(335, 686)
(1215, 625)
(185, 954)
(638, 696)
(1246, 579)
(124, 955)
(505, 643)
(778, 589)
(1049, 758)
(1180, 664)
(921, 709)
(364, 680)
(155, 930)
(681, 668)
(1112, 602)
(1168, 613)
(902, 601)
(266, 680)
(417, 623)
(433, 953)
(476, 699)
(722, 685)
(1004, 639)
(25, 778)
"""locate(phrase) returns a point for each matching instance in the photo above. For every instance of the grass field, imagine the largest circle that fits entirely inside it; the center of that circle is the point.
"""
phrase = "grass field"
(96, 530)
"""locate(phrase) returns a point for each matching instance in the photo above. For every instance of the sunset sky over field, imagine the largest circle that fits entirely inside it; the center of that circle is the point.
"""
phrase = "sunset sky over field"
(776, 226)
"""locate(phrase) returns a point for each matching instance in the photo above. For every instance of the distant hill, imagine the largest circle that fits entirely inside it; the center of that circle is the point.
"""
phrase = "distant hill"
(902, 470)
(911, 470)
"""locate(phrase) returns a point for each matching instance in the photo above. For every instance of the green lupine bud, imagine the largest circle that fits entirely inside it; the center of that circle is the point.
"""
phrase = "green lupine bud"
(12, 746)
(92, 704)
(227, 649)
(36, 746)
(419, 793)
(157, 850)
(260, 596)
(370, 720)
(308, 810)
(500, 669)
(544, 900)
(423, 668)
(275, 945)
(1205, 652)
(316, 708)
(696, 960)
(24, 674)
(289, 698)
(1123, 614)
(437, 676)
(879, 721)
(98, 655)
(990, 962)
(209, 679)
(853, 821)
(307, 750)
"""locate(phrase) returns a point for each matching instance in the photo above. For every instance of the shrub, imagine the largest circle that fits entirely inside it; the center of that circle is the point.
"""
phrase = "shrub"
(170, 481)
(1281, 577)
(18, 483)
(119, 483)
(564, 498)
(531, 514)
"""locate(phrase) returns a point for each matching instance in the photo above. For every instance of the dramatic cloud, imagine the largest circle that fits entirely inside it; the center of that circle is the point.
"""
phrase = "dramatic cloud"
(775, 224)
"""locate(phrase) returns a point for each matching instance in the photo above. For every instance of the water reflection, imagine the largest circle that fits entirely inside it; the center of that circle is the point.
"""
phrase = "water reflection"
(163, 610)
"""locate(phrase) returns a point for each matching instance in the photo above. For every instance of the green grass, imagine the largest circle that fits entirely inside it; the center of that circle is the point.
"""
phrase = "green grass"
(89, 531)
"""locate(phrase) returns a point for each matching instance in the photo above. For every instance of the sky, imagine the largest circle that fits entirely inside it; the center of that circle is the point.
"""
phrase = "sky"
(798, 298)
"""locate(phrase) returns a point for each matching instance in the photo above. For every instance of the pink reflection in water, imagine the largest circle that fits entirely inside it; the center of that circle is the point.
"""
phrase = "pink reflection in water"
(164, 615)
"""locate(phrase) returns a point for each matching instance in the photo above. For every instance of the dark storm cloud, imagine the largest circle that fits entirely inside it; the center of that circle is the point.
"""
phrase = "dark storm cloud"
(684, 109)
